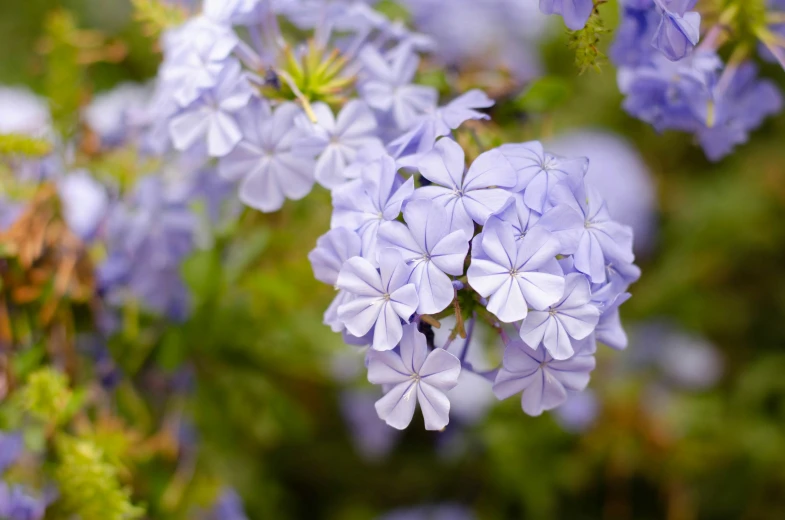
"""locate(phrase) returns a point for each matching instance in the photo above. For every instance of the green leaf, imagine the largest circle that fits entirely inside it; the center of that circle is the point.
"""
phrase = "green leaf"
(545, 94)
(15, 144)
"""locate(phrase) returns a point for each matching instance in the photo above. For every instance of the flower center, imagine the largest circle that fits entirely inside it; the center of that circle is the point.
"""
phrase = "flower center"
(549, 163)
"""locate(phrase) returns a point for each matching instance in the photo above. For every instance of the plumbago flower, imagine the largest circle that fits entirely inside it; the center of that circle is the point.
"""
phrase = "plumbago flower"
(363, 204)
(332, 251)
(517, 240)
(542, 380)
(573, 317)
(430, 244)
(575, 12)
(674, 85)
(516, 275)
(468, 195)
(414, 371)
(381, 298)
(264, 161)
(337, 141)
(147, 238)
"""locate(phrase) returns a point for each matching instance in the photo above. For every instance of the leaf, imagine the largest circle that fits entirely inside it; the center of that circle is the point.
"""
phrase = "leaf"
(545, 94)
(15, 144)
(156, 16)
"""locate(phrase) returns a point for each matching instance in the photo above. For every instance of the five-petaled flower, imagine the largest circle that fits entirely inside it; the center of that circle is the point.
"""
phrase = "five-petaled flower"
(414, 374)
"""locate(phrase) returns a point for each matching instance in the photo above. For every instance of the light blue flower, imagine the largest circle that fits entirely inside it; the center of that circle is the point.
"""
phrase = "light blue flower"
(413, 374)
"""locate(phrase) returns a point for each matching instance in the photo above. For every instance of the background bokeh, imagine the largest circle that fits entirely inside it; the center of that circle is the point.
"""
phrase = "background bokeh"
(688, 423)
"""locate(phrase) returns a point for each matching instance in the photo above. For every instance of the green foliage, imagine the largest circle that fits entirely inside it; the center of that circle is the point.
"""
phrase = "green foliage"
(545, 95)
(156, 16)
(15, 144)
(64, 72)
(89, 485)
(586, 41)
(47, 395)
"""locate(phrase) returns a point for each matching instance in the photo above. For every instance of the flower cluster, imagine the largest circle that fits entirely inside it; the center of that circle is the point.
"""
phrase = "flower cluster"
(674, 85)
(517, 240)
(280, 117)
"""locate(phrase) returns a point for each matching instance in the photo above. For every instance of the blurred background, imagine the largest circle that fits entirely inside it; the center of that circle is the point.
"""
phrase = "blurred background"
(687, 423)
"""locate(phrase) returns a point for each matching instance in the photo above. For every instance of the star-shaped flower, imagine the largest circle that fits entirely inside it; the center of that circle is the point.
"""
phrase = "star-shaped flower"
(363, 204)
(571, 318)
(337, 141)
(214, 114)
(333, 249)
(432, 248)
(389, 87)
(195, 56)
(538, 171)
(543, 380)
(589, 233)
(438, 122)
(518, 215)
(417, 375)
(470, 195)
(515, 275)
(382, 298)
(269, 170)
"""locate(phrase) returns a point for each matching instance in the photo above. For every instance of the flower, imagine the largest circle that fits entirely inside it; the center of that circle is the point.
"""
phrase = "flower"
(631, 198)
(388, 87)
(438, 122)
(195, 55)
(679, 30)
(594, 239)
(609, 330)
(579, 411)
(383, 298)
(538, 172)
(213, 115)
(85, 203)
(229, 506)
(670, 95)
(114, 115)
(469, 195)
(518, 215)
(571, 318)
(147, 239)
(432, 248)
(16, 503)
(372, 438)
(333, 249)
(337, 142)
(741, 102)
(23, 113)
(575, 12)
(264, 161)
(11, 447)
(414, 371)
(632, 45)
(543, 380)
(363, 204)
(515, 275)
